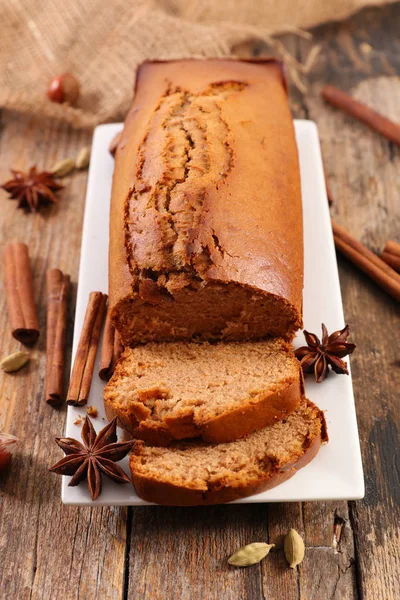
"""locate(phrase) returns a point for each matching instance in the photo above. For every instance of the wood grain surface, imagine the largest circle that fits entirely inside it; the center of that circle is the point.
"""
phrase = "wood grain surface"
(48, 550)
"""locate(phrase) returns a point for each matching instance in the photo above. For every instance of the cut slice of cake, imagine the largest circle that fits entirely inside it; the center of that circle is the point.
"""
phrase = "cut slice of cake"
(219, 392)
(190, 473)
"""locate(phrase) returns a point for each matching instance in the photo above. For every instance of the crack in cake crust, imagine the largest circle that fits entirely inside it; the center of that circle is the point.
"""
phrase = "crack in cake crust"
(186, 134)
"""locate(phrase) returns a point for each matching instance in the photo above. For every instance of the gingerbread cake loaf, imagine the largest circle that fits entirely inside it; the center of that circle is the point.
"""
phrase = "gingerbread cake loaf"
(206, 220)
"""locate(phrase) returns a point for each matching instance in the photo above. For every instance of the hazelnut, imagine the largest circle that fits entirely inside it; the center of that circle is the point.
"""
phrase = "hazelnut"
(64, 88)
(7, 446)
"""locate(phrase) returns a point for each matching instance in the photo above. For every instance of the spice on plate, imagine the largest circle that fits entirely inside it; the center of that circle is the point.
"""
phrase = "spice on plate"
(98, 454)
(82, 371)
(111, 350)
(57, 284)
(18, 282)
(318, 355)
(32, 189)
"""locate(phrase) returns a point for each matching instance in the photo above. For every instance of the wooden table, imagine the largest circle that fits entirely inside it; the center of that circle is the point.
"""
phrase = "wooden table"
(48, 550)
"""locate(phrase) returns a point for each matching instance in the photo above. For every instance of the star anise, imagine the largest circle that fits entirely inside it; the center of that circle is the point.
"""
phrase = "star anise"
(32, 189)
(98, 455)
(318, 355)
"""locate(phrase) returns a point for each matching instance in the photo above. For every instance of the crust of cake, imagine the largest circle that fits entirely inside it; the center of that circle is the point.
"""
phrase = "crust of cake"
(232, 421)
(156, 490)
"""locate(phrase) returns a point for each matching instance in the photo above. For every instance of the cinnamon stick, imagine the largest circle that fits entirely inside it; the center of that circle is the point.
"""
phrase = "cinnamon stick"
(362, 112)
(82, 371)
(391, 255)
(21, 306)
(111, 350)
(367, 261)
(57, 297)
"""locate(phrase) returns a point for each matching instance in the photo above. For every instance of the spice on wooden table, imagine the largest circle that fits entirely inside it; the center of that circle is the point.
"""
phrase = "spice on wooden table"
(18, 282)
(14, 362)
(111, 350)
(391, 255)
(294, 548)
(367, 261)
(362, 112)
(57, 299)
(82, 371)
(32, 189)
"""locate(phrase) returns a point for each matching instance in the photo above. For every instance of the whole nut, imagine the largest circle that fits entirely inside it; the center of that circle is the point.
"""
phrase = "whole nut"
(64, 88)
(7, 445)
(14, 362)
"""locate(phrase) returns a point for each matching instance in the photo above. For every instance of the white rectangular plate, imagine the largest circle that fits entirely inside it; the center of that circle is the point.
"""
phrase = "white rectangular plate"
(336, 473)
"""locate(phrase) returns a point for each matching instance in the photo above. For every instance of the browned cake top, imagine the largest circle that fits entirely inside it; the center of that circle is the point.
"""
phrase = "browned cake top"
(207, 180)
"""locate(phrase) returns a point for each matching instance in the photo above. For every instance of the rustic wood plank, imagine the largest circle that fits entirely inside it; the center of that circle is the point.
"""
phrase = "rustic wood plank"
(330, 551)
(182, 553)
(47, 550)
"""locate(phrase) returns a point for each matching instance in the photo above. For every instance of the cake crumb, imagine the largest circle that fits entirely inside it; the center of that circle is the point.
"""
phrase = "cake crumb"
(92, 411)
(78, 420)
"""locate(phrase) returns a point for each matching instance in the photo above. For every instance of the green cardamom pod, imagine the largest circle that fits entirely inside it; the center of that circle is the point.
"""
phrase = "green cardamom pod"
(14, 361)
(63, 167)
(250, 554)
(294, 548)
(83, 158)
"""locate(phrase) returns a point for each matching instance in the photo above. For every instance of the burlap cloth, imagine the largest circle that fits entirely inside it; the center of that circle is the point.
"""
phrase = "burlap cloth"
(101, 42)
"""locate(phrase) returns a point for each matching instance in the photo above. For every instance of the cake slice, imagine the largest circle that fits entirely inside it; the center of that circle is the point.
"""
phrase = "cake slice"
(190, 473)
(219, 392)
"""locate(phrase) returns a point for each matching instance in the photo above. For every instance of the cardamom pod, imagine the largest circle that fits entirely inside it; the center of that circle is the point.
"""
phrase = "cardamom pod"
(14, 361)
(83, 158)
(250, 554)
(63, 167)
(294, 548)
